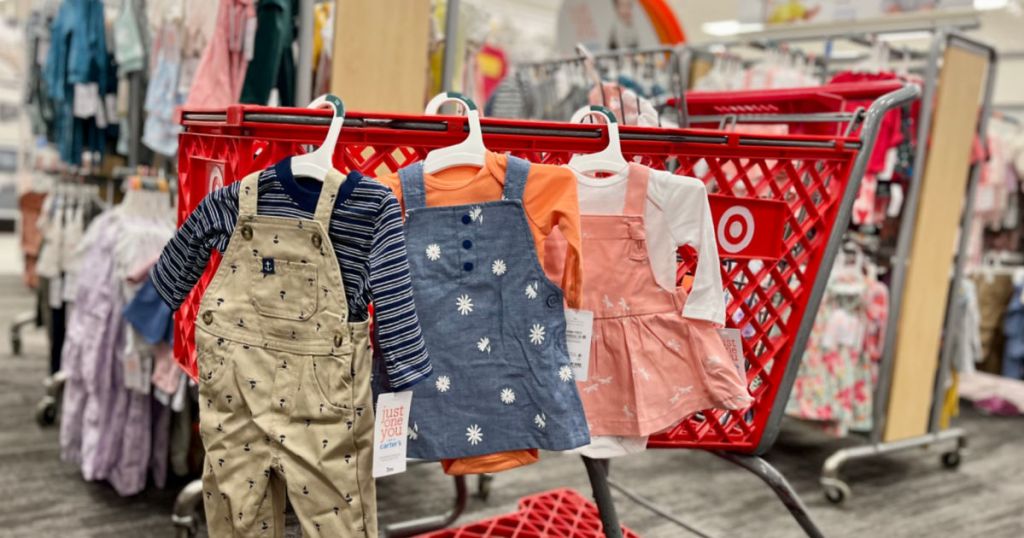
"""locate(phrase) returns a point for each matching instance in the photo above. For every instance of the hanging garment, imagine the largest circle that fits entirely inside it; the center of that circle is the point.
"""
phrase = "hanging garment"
(217, 81)
(549, 201)
(994, 294)
(837, 375)
(284, 389)
(106, 428)
(366, 232)
(273, 64)
(1013, 328)
(649, 368)
(494, 326)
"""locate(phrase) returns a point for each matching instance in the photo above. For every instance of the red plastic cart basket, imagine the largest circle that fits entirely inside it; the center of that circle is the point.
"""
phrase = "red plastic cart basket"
(776, 201)
(559, 512)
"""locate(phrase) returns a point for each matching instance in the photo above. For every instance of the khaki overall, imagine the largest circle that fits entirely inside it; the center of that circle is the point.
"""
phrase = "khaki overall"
(284, 391)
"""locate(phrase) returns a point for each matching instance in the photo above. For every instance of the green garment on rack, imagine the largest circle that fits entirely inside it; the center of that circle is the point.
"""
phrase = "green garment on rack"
(272, 64)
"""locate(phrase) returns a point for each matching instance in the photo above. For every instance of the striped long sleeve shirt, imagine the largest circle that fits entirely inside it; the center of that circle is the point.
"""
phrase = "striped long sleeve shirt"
(366, 232)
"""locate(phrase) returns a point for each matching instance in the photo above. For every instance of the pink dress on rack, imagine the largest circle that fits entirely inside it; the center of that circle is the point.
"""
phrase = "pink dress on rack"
(649, 366)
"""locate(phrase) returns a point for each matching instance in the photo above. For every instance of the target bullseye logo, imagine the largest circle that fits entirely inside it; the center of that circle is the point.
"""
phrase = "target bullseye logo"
(735, 229)
(215, 177)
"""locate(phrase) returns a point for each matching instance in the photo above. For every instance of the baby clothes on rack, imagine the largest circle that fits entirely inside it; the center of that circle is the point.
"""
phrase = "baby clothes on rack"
(549, 200)
(493, 322)
(650, 367)
(1013, 328)
(836, 380)
(110, 427)
(366, 232)
(995, 291)
(285, 403)
(218, 78)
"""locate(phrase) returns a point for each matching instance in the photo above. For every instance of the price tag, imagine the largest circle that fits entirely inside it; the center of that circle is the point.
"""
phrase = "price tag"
(579, 329)
(734, 345)
(86, 100)
(391, 433)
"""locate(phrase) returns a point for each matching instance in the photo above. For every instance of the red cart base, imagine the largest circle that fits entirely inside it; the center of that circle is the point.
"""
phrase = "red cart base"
(559, 512)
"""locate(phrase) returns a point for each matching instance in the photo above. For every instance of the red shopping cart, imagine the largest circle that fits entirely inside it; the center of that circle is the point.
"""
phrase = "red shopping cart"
(781, 203)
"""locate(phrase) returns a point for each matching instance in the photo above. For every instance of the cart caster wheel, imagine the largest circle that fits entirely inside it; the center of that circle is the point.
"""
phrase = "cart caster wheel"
(483, 486)
(836, 493)
(951, 460)
(46, 412)
(15, 345)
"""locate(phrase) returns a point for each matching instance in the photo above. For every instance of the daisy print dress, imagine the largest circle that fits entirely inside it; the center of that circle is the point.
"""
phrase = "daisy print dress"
(494, 326)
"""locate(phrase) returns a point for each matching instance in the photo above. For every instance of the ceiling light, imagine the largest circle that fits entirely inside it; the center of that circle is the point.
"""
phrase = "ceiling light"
(730, 27)
(985, 5)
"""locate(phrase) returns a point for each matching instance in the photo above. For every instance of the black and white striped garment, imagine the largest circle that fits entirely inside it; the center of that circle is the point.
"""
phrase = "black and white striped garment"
(366, 231)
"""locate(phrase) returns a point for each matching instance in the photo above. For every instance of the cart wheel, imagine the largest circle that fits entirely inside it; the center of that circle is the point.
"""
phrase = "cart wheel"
(15, 343)
(951, 460)
(483, 486)
(836, 492)
(46, 411)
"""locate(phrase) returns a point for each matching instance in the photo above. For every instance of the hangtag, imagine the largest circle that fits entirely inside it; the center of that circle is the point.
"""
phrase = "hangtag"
(734, 345)
(249, 39)
(579, 329)
(110, 102)
(268, 266)
(889, 166)
(391, 433)
(86, 100)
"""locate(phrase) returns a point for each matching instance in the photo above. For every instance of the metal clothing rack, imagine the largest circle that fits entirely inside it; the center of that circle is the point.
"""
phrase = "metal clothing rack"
(834, 488)
(678, 59)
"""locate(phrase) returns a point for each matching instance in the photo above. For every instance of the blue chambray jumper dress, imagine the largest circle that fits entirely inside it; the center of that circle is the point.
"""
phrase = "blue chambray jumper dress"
(494, 326)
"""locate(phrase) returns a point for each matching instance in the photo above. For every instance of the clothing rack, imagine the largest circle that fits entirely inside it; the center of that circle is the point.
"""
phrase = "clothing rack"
(835, 489)
(678, 59)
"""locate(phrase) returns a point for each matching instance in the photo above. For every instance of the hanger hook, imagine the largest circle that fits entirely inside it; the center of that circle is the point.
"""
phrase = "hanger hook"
(598, 110)
(337, 122)
(472, 112)
(329, 99)
(448, 97)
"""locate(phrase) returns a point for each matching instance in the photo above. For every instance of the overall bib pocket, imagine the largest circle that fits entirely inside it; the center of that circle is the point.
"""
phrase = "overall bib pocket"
(284, 289)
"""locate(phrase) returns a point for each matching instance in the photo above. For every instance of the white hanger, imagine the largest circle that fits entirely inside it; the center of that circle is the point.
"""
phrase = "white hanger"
(317, 163)
(469, 152)
(609, 159)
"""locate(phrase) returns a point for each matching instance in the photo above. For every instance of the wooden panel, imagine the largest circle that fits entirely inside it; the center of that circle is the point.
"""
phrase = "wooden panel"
(943, 190)
(699, 67)
(380, 54)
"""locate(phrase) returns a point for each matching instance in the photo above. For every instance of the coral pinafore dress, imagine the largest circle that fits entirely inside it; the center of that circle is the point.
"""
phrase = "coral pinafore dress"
(494, 326)
(649, 369)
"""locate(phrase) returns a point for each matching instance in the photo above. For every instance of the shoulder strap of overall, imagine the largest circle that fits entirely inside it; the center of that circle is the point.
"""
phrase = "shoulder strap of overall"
(248, 194)
(414, 191)
(328, 196)
(636, 190)
(516, 172)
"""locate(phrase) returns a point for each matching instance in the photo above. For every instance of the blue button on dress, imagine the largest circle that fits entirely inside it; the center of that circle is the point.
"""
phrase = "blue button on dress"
(494, 326)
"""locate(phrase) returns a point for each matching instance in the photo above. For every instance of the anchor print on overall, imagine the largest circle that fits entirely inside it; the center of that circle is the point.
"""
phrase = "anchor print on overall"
(648, 367)
(285, 404)
(494, 326)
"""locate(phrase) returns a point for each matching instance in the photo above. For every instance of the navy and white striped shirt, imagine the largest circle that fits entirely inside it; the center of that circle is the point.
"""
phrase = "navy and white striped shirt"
(366, 232)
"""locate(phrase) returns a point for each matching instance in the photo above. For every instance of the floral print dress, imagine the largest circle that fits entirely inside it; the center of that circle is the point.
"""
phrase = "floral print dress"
(837, 376)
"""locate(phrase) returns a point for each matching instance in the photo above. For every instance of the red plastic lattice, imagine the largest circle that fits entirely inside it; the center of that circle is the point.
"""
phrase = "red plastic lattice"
(559, 512)
(766, 298)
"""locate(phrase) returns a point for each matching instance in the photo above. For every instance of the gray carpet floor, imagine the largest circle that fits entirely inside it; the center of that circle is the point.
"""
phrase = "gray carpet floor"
(900, 495)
